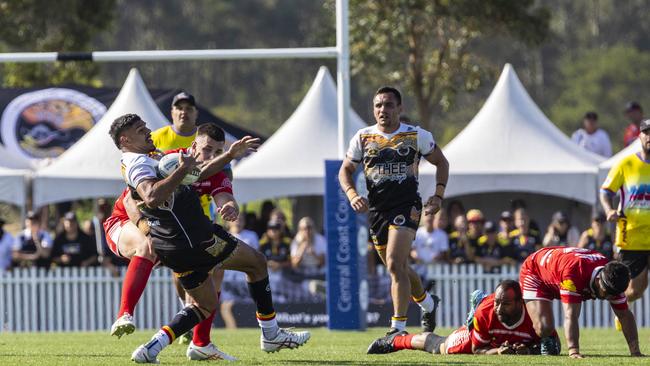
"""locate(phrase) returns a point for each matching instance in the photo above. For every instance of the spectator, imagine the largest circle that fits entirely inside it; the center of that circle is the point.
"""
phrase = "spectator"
(454, 209)
(597, 238)
(279, 216)
(308, 250)
(431, 242)
(265, 217)
(237, 229)
(251, 222)
(6, 245)
(493, 250)
(33, 245)
(634, 114)
(276, 247)
(506, 224)
(475, 220)
(525, 240)
(520, 203)
(560, 232)
(72, 247)
(592, 138)
(460, 251)
(232, 289)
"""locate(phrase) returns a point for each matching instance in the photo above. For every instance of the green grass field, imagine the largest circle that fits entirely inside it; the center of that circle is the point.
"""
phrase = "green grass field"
(602, 346)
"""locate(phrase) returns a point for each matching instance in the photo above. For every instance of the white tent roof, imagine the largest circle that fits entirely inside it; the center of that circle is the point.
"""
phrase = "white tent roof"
(292, 161)
(510, 145)
(91, 167)
(13, 185)
(606, 165)
(13, 161)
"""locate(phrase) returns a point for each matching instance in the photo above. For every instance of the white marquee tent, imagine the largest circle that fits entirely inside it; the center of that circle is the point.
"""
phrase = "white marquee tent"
(13, 185)
(511, 146)
(13, 161)
(91, 167)
(292, 161)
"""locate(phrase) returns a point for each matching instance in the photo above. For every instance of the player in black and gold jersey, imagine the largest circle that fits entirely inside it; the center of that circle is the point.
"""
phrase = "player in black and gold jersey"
(390, 152)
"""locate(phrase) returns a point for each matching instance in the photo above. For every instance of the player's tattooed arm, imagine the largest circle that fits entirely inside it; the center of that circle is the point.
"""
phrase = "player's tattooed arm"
(437, 158)
(156, 192)
(358, 203)
(504, 349)
(135, 216)
(607, 201)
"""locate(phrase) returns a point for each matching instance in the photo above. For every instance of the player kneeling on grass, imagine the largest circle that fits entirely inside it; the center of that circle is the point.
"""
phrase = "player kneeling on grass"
(574, 275)
(186, 241)
(500, 325)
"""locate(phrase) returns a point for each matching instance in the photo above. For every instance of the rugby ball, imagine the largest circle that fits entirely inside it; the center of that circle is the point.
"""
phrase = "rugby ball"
(169, 163)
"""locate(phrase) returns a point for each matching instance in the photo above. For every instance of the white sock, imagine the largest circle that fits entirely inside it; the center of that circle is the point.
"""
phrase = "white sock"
(427, 303)
(159, 341)
(269, 327)
(398, 322)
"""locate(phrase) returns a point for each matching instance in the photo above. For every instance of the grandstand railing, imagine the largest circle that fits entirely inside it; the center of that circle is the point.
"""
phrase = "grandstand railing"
(87, 299)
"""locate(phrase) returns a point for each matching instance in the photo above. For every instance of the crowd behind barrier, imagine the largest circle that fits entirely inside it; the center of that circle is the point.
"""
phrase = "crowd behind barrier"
(51, 240)
(452, 236)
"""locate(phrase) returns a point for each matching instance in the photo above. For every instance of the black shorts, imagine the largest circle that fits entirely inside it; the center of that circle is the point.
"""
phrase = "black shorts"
(635, 260)
(406, 216)
(201, 258)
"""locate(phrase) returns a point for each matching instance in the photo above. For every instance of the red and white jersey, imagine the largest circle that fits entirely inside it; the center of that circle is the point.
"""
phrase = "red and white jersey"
(215, 184)
(489, 331)
(118, 208)
(566, 273)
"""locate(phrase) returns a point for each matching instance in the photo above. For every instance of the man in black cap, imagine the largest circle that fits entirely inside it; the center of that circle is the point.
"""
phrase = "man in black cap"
(560, 232)
(634, 113)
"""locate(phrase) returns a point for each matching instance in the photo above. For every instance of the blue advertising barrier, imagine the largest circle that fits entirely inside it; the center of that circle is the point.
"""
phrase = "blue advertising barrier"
(347, 288)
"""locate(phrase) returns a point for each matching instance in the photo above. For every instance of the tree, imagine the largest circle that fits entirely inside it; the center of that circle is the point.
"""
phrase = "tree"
(64, 25)
(257, 94)
(424, 45)
(602, 80)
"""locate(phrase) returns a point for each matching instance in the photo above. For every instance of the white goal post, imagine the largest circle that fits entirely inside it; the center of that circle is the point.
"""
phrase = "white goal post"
(341, 52)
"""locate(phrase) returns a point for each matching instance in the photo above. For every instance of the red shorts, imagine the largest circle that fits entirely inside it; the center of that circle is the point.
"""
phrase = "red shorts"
(112, 228)
(532, 286)
(459, 342)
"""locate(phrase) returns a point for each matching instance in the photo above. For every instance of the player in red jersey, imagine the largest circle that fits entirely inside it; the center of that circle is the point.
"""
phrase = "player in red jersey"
(501, 325)
(574, 275)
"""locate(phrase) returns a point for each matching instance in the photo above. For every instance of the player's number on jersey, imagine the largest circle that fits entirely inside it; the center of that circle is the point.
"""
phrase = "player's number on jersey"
(578, 252)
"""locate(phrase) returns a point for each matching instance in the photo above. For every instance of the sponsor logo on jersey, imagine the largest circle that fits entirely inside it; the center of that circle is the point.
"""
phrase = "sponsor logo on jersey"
(399, 220)
(568, 285)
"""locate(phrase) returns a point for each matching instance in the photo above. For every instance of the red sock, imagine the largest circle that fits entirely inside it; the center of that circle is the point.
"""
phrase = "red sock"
(403, 342)
(135, 280)
(201, 336)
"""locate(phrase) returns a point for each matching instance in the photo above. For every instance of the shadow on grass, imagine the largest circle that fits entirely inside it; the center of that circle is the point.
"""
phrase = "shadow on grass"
(377, 362)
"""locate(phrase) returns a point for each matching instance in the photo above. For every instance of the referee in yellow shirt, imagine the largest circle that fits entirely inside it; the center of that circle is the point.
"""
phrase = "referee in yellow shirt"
(630, 178)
